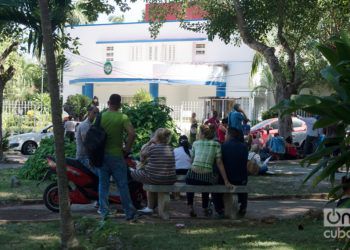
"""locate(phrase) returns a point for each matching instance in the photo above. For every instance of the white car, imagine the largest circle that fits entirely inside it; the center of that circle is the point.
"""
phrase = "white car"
(27, 143)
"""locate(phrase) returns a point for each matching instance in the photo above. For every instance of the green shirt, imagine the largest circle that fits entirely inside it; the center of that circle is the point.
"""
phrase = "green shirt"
(204, 153)
(114, 123)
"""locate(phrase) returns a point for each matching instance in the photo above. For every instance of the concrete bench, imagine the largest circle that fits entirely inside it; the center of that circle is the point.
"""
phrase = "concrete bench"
(229, 196)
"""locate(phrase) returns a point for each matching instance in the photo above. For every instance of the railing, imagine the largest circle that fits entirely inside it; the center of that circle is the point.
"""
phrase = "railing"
(24, 116)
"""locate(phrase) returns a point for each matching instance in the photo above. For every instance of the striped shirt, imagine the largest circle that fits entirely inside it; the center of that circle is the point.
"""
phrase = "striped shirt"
(204, 153)
(161, 162)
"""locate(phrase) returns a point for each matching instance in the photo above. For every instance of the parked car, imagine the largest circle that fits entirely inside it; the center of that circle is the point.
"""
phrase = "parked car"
(271, 125)
(27, 143)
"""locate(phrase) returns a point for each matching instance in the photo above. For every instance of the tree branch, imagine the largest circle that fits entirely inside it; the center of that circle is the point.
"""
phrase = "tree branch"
(8, 74)
(268, 52)
(8, 51)
(285, 45)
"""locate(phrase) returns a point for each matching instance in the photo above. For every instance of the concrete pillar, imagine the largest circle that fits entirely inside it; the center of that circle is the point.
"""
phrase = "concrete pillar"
(154, 90)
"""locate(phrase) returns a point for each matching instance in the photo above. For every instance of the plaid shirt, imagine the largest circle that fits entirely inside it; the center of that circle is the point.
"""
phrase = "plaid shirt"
(204, 153)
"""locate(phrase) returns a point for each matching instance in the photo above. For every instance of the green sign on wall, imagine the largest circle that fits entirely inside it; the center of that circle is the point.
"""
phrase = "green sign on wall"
(108, 67)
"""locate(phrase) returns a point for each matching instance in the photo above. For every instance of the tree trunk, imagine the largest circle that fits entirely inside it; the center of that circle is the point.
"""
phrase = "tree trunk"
(283, 90)
(68, 239)
(285, 125)
(5, 76)
(2, 86)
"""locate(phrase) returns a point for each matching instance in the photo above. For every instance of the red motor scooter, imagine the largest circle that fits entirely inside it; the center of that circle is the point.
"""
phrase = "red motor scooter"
(83, 185)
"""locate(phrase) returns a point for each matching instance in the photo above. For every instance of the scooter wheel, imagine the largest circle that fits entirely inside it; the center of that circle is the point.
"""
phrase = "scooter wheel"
(50, 197)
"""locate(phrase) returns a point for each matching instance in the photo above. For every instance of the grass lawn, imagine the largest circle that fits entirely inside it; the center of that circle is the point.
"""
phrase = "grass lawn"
(280, 184)
(214, 235)
(27, 189)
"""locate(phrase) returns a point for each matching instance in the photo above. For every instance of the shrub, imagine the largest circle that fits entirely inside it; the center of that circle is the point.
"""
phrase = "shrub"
(269, 114)
(141, 96)
(36, 166)
(147, 117)
(5, 142)
(77, 105)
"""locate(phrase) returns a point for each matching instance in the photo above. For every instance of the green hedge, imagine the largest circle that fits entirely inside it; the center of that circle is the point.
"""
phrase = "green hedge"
(36, 165)
(146, 118)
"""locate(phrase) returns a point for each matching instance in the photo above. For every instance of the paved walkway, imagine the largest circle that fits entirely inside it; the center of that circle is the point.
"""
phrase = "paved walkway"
(279, 209)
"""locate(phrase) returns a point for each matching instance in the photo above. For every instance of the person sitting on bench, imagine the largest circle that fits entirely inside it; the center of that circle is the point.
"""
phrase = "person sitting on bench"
(234, 157)
(205, 152)
(160, 166)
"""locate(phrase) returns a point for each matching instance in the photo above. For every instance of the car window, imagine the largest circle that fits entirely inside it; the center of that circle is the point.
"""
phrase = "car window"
(50, 129)
(274, 125)
(261, 124)
(297, 124)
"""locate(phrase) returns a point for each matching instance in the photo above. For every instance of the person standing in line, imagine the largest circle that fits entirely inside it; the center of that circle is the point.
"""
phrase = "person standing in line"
(311, 134)
(222, 130)
(95, 102)
(194, 128)
(69, 128)
(246, 128)
(214, 120)
(115, 124)
(80, 136)
(236, 118)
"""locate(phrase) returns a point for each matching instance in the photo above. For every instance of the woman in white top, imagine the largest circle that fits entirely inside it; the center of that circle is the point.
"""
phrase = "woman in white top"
(183, 159)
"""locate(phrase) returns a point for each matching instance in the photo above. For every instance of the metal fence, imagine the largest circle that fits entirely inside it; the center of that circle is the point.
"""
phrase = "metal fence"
(182, 113)
(24, 116)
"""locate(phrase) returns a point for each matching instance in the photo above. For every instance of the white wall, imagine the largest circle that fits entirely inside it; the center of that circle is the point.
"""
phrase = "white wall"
(89, 64)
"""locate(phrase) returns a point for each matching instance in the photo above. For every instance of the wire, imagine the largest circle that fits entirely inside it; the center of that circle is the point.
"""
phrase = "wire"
(97, 63)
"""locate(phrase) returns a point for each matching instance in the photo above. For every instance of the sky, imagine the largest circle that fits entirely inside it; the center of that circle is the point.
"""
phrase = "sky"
(133, 15)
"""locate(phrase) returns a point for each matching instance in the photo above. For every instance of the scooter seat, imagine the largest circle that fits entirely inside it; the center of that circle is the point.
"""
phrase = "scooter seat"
(77, 164)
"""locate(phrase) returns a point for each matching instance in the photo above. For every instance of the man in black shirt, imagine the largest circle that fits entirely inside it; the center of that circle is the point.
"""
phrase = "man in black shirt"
(234, 157)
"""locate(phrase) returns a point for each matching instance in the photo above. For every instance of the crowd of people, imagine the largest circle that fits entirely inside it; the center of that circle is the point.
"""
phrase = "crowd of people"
(216, 152)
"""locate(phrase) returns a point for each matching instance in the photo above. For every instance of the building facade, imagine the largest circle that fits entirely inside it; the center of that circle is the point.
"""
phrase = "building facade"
(179, 65)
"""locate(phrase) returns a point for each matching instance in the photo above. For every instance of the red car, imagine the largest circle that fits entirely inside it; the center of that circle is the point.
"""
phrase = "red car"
(271, 125)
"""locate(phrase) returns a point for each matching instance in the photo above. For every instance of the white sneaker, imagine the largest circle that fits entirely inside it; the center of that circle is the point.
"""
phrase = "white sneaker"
(146, 210)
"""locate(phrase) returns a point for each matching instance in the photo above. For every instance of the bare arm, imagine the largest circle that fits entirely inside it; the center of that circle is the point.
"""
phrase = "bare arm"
(245, 116)
(223, 172)
(131, 137)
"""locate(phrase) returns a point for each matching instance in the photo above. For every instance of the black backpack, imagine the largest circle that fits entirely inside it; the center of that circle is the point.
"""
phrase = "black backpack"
(95, 142)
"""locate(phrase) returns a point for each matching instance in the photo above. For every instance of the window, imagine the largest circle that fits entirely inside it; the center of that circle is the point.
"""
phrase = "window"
(168, 53)
(136, 53)
(150, 57)
(109, 53)
(153, 53)
(156, 53)
(200, 49)
(297, 124)
(274, 125)
(200, 52)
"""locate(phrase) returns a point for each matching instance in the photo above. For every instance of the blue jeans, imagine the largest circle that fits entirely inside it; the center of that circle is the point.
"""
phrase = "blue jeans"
(85, 161)
(115, 166)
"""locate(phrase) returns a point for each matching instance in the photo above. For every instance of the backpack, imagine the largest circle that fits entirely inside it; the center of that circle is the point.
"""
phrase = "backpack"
(95, 142)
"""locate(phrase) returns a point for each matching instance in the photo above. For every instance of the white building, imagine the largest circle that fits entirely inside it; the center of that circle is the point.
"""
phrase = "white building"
(180, 65)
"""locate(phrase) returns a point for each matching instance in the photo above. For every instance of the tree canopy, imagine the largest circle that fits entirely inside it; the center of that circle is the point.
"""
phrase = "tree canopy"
(282, 31)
